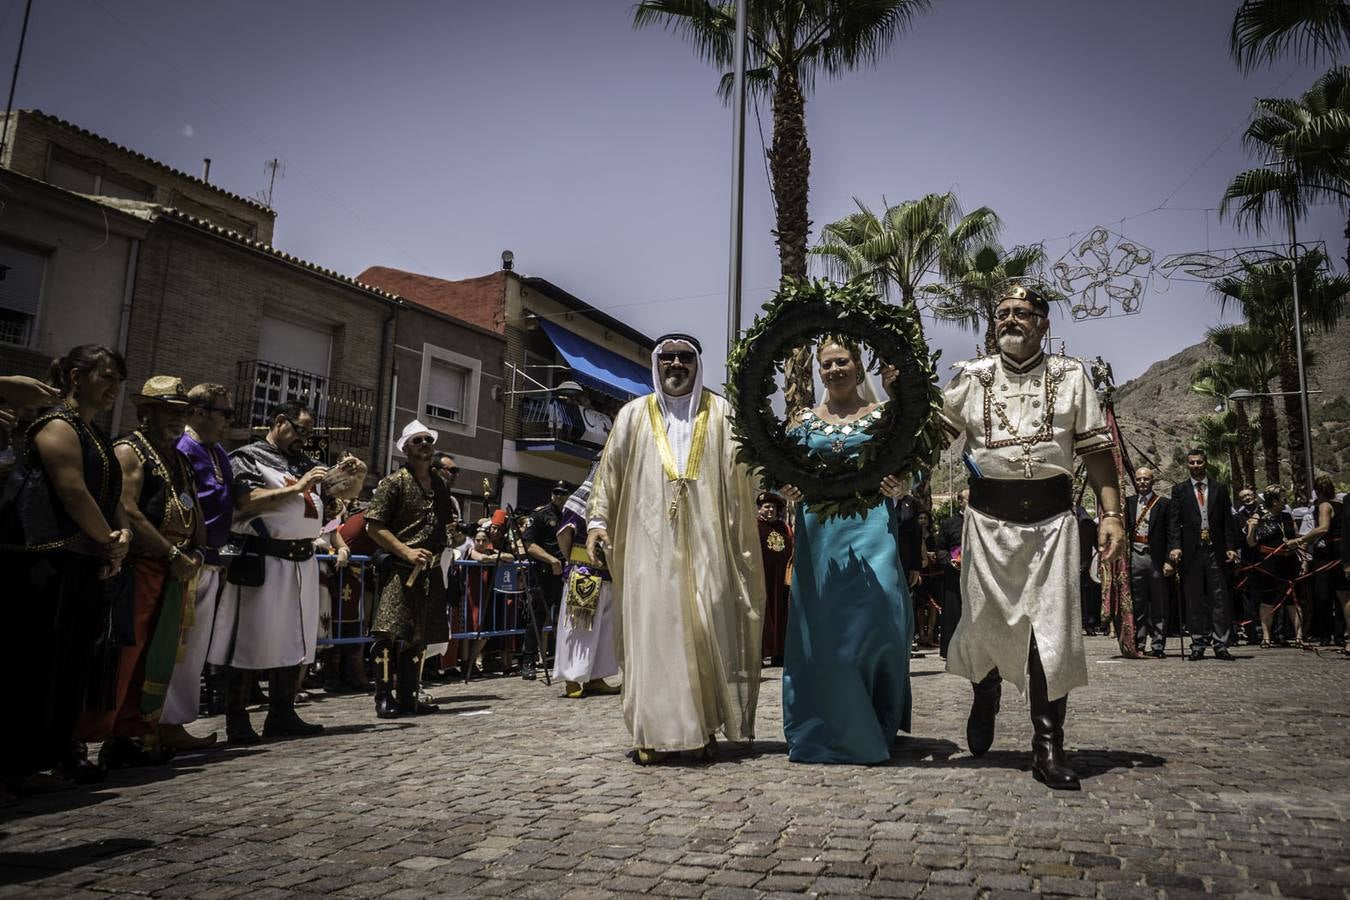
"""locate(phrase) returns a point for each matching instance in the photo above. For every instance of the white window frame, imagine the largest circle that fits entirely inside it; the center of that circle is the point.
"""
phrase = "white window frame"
(473, 379)
(31, 338)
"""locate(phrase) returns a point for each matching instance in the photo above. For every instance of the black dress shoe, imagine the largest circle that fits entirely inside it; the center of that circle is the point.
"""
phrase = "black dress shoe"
(1157, 654)
(527, 671)
(1223, 654)
(1197, 655)
(78, 769)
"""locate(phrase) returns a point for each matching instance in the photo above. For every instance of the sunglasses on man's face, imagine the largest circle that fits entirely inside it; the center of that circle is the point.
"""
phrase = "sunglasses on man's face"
(423, 439)
(301, 431)
(686, 357)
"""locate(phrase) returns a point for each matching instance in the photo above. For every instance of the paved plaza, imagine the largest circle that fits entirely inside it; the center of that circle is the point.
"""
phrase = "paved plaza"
(1221, 779)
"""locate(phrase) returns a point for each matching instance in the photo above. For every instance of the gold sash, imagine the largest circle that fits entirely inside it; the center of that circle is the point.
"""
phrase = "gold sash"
(663, 447)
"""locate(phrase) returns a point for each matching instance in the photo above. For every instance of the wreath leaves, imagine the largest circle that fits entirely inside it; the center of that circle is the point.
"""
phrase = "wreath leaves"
(908, 433)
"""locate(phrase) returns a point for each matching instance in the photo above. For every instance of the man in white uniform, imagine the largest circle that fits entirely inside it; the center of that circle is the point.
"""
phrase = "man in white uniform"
(1025, 416)
(268, 616)
(675, 515)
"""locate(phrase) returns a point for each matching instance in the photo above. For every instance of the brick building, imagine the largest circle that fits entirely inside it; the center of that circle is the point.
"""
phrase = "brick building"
(550, 336)
(108, 246)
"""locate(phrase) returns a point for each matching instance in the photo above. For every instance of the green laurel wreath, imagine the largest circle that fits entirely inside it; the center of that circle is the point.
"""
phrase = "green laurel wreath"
(909, 431)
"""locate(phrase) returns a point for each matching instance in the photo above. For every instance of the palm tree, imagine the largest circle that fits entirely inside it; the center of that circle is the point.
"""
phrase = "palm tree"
(1248, 361)
(975, 281)
(1304, 145)
(1265, 294)
(1264, 29)
(1217, 436)
(789, 43)
(905, 244)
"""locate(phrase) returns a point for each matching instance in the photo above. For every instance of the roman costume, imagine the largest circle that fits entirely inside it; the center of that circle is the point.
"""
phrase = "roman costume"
(411, 611)
(1024, 424)
(153, 623)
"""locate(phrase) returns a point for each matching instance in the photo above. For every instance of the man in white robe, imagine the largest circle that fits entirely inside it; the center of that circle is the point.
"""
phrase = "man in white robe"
(674, 514)
(1025, 417)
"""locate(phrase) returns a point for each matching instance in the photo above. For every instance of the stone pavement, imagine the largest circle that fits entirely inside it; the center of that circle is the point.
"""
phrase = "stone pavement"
(1211, 778)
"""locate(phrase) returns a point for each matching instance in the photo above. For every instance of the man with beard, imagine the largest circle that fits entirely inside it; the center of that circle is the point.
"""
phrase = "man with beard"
(200, 445)
(268, 615)
(949, 556)
(1149, 525)
(1203, 536)
(159, 497)
(1025, 417)
(674, 514)
(407, 518)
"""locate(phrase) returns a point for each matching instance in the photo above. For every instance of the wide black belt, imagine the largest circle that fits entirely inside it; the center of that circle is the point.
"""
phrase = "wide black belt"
(294, 551)
(1022, 500)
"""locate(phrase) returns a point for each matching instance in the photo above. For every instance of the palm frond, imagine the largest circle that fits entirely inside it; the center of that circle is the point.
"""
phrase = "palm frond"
(1263, 30)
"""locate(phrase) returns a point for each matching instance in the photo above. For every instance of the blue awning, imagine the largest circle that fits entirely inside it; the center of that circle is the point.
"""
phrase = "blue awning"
(598, 368)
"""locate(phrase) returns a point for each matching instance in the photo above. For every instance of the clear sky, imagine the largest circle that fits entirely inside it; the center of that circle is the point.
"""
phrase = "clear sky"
(433, 135)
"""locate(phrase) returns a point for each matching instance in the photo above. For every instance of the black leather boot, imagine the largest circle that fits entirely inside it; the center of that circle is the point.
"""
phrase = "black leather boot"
(409, 672)
(983, 710)
(1048, 764)
(382, 656)
(282, 720)
(238, 729)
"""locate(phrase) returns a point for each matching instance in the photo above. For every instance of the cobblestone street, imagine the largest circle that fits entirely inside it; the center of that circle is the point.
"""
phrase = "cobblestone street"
(1223, 779)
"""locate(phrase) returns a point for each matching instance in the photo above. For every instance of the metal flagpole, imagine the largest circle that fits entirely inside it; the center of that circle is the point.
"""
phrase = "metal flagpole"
(14, 80)
(1298, 352)
(737, 178)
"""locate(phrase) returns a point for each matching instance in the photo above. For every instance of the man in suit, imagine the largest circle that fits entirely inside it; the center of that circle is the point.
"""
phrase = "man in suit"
(948, 540)
(1149, 527)
(1205, 537)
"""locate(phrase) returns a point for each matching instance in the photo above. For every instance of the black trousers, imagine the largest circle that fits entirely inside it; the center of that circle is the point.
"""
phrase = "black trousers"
(1209, 614)
(550, 591)
(951, 609)
(1148, 588)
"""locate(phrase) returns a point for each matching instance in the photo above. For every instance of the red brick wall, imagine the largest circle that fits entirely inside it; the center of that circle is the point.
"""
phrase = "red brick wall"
(198, 304)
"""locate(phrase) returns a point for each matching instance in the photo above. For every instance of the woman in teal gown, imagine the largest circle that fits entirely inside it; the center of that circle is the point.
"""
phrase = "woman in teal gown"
(846, 690)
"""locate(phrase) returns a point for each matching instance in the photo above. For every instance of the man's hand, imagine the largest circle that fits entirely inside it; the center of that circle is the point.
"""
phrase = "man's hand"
(119, 542)
(556, 566)
(1110, 538)
(791, 493)
(1169, 570)
(184, 566)
(1174, 557)
(889, 376)
(19, 392)
(892, 487)
(595, 538)
(1232, 556)
(310, 478)
(417, 558)
(915, 578)
(343, 554)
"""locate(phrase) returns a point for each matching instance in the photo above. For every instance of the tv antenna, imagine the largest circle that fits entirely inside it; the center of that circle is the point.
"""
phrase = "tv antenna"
(273, 168)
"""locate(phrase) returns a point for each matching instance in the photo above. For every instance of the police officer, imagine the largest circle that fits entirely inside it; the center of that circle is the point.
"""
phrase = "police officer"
(541, 545)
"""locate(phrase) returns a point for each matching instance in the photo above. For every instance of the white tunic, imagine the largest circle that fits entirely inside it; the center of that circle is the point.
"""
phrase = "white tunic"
(277, 624)
(1022, 422)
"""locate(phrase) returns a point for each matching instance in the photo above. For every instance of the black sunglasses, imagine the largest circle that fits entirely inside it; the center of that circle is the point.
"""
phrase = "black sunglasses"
(300, 431)
(421, 439)
(683, 356)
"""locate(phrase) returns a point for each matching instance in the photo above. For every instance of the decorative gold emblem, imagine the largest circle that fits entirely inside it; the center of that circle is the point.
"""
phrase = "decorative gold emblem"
(775, 542)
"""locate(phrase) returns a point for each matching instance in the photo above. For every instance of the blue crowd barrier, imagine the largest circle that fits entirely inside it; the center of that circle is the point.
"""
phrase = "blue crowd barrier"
(491, 596)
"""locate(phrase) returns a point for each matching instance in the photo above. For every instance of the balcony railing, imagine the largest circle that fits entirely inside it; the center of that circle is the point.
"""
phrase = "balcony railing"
(558, 420)
(343, 413)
